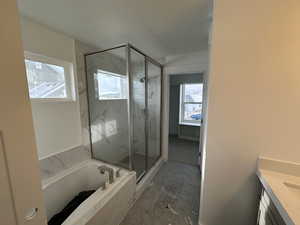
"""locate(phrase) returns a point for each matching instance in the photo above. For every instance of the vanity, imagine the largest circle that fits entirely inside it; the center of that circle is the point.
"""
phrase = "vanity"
(280, 194)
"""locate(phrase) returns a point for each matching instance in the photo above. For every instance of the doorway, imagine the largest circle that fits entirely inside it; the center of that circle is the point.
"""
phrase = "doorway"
(185, 117)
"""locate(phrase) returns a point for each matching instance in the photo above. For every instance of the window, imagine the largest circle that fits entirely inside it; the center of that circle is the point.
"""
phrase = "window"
(48, 78)
(191, 103)
(111, 86)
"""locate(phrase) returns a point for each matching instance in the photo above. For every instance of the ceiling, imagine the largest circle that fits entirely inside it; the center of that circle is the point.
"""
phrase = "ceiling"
(158, 27)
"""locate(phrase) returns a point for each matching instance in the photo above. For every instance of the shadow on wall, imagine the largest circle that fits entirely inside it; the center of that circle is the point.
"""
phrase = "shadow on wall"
(228, 210)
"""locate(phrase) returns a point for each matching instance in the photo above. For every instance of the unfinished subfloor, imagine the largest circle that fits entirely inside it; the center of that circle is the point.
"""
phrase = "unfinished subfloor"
(173, 196)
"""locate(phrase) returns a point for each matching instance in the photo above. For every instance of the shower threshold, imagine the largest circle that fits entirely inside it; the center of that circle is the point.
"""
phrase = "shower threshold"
(139, 164)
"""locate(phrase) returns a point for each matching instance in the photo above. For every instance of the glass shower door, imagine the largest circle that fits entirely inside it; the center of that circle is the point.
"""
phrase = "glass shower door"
(154, 112)
(138, 109)
(107, 85)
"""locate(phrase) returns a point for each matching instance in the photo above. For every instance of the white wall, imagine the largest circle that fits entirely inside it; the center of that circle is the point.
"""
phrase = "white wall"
(253, 108)
(187, 63)
(18, 149)
(57, 124)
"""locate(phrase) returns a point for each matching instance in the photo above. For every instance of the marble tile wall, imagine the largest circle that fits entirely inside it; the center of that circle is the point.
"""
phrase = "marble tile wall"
(138, 102)
(109, 118)
(154, 110)
(154, 94)
(54, 164)
(81, 49)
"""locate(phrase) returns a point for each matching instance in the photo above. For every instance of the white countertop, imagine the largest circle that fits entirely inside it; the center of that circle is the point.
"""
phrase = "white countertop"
(281, 181)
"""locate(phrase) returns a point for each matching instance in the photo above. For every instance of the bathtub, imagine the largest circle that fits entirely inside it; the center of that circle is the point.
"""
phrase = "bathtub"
(103, 207)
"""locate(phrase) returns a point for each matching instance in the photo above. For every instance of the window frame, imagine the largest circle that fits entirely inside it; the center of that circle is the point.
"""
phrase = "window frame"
(182, 103)
(68, 73)
(97, 81)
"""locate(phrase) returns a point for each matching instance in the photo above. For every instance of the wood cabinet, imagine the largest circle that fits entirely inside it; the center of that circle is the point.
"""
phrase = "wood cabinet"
(267, 212)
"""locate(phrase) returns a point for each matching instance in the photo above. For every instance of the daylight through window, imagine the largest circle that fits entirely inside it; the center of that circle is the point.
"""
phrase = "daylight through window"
(48, 80)
(191, 103)
(111, 85)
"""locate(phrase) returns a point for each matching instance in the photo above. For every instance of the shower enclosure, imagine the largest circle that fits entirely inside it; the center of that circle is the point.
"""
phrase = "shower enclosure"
(124, 98)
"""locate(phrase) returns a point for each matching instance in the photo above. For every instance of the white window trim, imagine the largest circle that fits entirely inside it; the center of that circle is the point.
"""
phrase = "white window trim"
(69, 76)
(181, 109)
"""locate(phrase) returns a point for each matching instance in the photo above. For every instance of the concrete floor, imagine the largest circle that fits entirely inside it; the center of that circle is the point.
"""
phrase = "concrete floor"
(173, 197)
(183, 151)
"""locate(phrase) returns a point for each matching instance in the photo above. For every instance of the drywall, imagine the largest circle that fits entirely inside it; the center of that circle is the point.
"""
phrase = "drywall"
(191, 133)
(21, 187)
(175, 81)
(7, 212)
(57, 124)
(253, 106)
(187, 63)
(159, 28)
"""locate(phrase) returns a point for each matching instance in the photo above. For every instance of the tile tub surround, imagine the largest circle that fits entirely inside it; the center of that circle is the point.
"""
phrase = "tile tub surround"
(279, 178)
(55, 164)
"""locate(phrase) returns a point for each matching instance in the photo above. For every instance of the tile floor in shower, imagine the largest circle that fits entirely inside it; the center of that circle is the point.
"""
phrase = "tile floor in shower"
(139, 163)
(173, 196)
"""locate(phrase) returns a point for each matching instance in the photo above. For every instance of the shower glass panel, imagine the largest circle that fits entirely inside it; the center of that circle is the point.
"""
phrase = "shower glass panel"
(138, 109)
(154, 112)
(124, 99)
(107, 85)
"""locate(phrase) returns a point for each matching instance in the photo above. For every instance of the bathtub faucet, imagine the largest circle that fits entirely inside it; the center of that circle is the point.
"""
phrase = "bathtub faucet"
(110, 171)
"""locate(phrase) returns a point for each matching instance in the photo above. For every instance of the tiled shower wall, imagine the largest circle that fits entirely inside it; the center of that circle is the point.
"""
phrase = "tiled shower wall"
(56, 163)
(109, 118)
(138, 103)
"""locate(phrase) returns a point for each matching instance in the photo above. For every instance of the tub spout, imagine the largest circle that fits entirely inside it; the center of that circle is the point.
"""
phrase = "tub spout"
(110, 171)
(118, 173)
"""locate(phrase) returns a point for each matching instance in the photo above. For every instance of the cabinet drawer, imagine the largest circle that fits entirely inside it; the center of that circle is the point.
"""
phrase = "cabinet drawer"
(268, 214)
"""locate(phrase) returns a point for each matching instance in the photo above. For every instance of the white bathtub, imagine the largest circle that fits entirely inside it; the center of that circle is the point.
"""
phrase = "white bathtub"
(103, 207)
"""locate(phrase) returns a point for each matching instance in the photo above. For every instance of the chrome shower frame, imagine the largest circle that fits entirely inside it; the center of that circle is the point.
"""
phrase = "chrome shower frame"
(128, 47)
